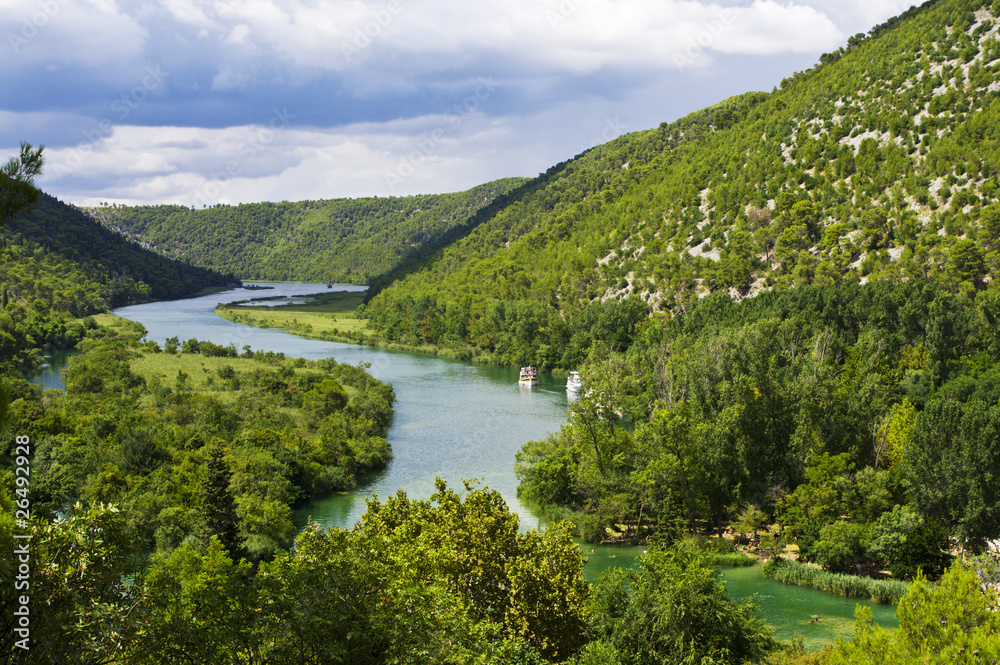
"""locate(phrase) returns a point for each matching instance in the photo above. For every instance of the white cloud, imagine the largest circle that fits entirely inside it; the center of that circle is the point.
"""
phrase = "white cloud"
(768, 27)
(70, 33)
(195, 166)
(575, 36)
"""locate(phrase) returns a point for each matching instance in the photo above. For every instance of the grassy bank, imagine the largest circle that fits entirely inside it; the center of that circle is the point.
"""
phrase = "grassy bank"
(327, 316)
(731, 560)
(332, 317)
(886, 592)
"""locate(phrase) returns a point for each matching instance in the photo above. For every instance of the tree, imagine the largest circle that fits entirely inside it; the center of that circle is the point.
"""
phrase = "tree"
(471, 547)
(876, 227)
(221, 519)
(826, 495)
(952, 622)
(990, 220)
(199, 607)
(966, 259)
(4, 406)
(910, 544)
(82, 610)
(340, 597)
(751, 520)
(952, 465)
(842, 547)
(17, 182)
(673, 610)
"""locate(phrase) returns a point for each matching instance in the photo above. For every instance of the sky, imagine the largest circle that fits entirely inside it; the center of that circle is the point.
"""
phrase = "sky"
(198, 102)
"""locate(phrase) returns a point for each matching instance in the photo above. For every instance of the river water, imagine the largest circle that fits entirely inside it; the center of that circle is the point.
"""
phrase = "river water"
(458, 420)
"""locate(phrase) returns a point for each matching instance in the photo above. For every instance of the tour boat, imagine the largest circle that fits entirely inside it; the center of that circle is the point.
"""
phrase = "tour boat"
(574, 383)
(529, 376)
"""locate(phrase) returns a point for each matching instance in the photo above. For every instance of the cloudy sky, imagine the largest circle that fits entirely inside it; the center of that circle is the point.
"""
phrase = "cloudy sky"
(205, 101)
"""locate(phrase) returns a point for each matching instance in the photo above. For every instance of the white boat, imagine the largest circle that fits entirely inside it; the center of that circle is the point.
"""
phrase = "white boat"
(574, 383)
(528, 377)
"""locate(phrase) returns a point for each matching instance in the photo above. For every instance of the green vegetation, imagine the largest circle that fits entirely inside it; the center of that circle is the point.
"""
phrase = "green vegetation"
(880, 163)
(328, 316)
(59, 266)
(445, 580)
(17, 182)
(198, 437)
(859, 420)
(849, 586)
(340, 240)
(956, 621)
(672, 610)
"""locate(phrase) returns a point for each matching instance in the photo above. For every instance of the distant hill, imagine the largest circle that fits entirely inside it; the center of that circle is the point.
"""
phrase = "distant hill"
(341, 240)
(57, 264)
(881, 162)
(120, 271)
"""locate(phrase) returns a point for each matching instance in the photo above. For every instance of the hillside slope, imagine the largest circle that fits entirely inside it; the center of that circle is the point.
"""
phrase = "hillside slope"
(879, 163)
(342, 240)
(57, 264)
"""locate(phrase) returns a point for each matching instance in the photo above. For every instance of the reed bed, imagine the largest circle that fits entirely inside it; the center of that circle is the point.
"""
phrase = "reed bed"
(885, 592)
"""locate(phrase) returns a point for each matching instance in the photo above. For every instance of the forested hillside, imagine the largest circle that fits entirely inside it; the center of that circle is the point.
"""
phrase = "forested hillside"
(57, 265)
(879, 163)
(340, 240)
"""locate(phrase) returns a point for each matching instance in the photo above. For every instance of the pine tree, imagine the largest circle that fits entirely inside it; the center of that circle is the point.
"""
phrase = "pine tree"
(220, 508)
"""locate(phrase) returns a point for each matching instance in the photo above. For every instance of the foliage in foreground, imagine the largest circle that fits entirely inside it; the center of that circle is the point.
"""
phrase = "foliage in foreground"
(954, 622)
(672, 610)
(448, 580)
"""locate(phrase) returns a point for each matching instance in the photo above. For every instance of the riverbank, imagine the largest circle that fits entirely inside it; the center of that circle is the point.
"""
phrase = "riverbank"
(330, 317)
(333, 317)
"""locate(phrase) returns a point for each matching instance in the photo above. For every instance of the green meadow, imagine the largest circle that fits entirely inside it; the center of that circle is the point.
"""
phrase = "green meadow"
(327, 316)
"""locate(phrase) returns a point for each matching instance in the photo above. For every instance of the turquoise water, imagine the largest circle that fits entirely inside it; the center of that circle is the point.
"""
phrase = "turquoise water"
(50, 374)
(457, 420)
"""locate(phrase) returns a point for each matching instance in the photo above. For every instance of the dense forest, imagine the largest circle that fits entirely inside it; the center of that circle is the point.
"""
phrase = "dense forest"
(58, 265)
(137, 426)
(861, 420)
(880, 163)
(339, 240)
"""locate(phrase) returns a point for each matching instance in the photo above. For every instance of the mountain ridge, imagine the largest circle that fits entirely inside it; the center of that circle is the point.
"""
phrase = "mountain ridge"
(880, 162)
(343, 240)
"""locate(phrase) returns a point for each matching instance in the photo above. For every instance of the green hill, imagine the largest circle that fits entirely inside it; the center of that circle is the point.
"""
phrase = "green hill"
(881, 162)
(341, 240)
(58, 265)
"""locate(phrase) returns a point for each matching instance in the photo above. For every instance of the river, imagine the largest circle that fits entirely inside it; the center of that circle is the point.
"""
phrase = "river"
(455, 420)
